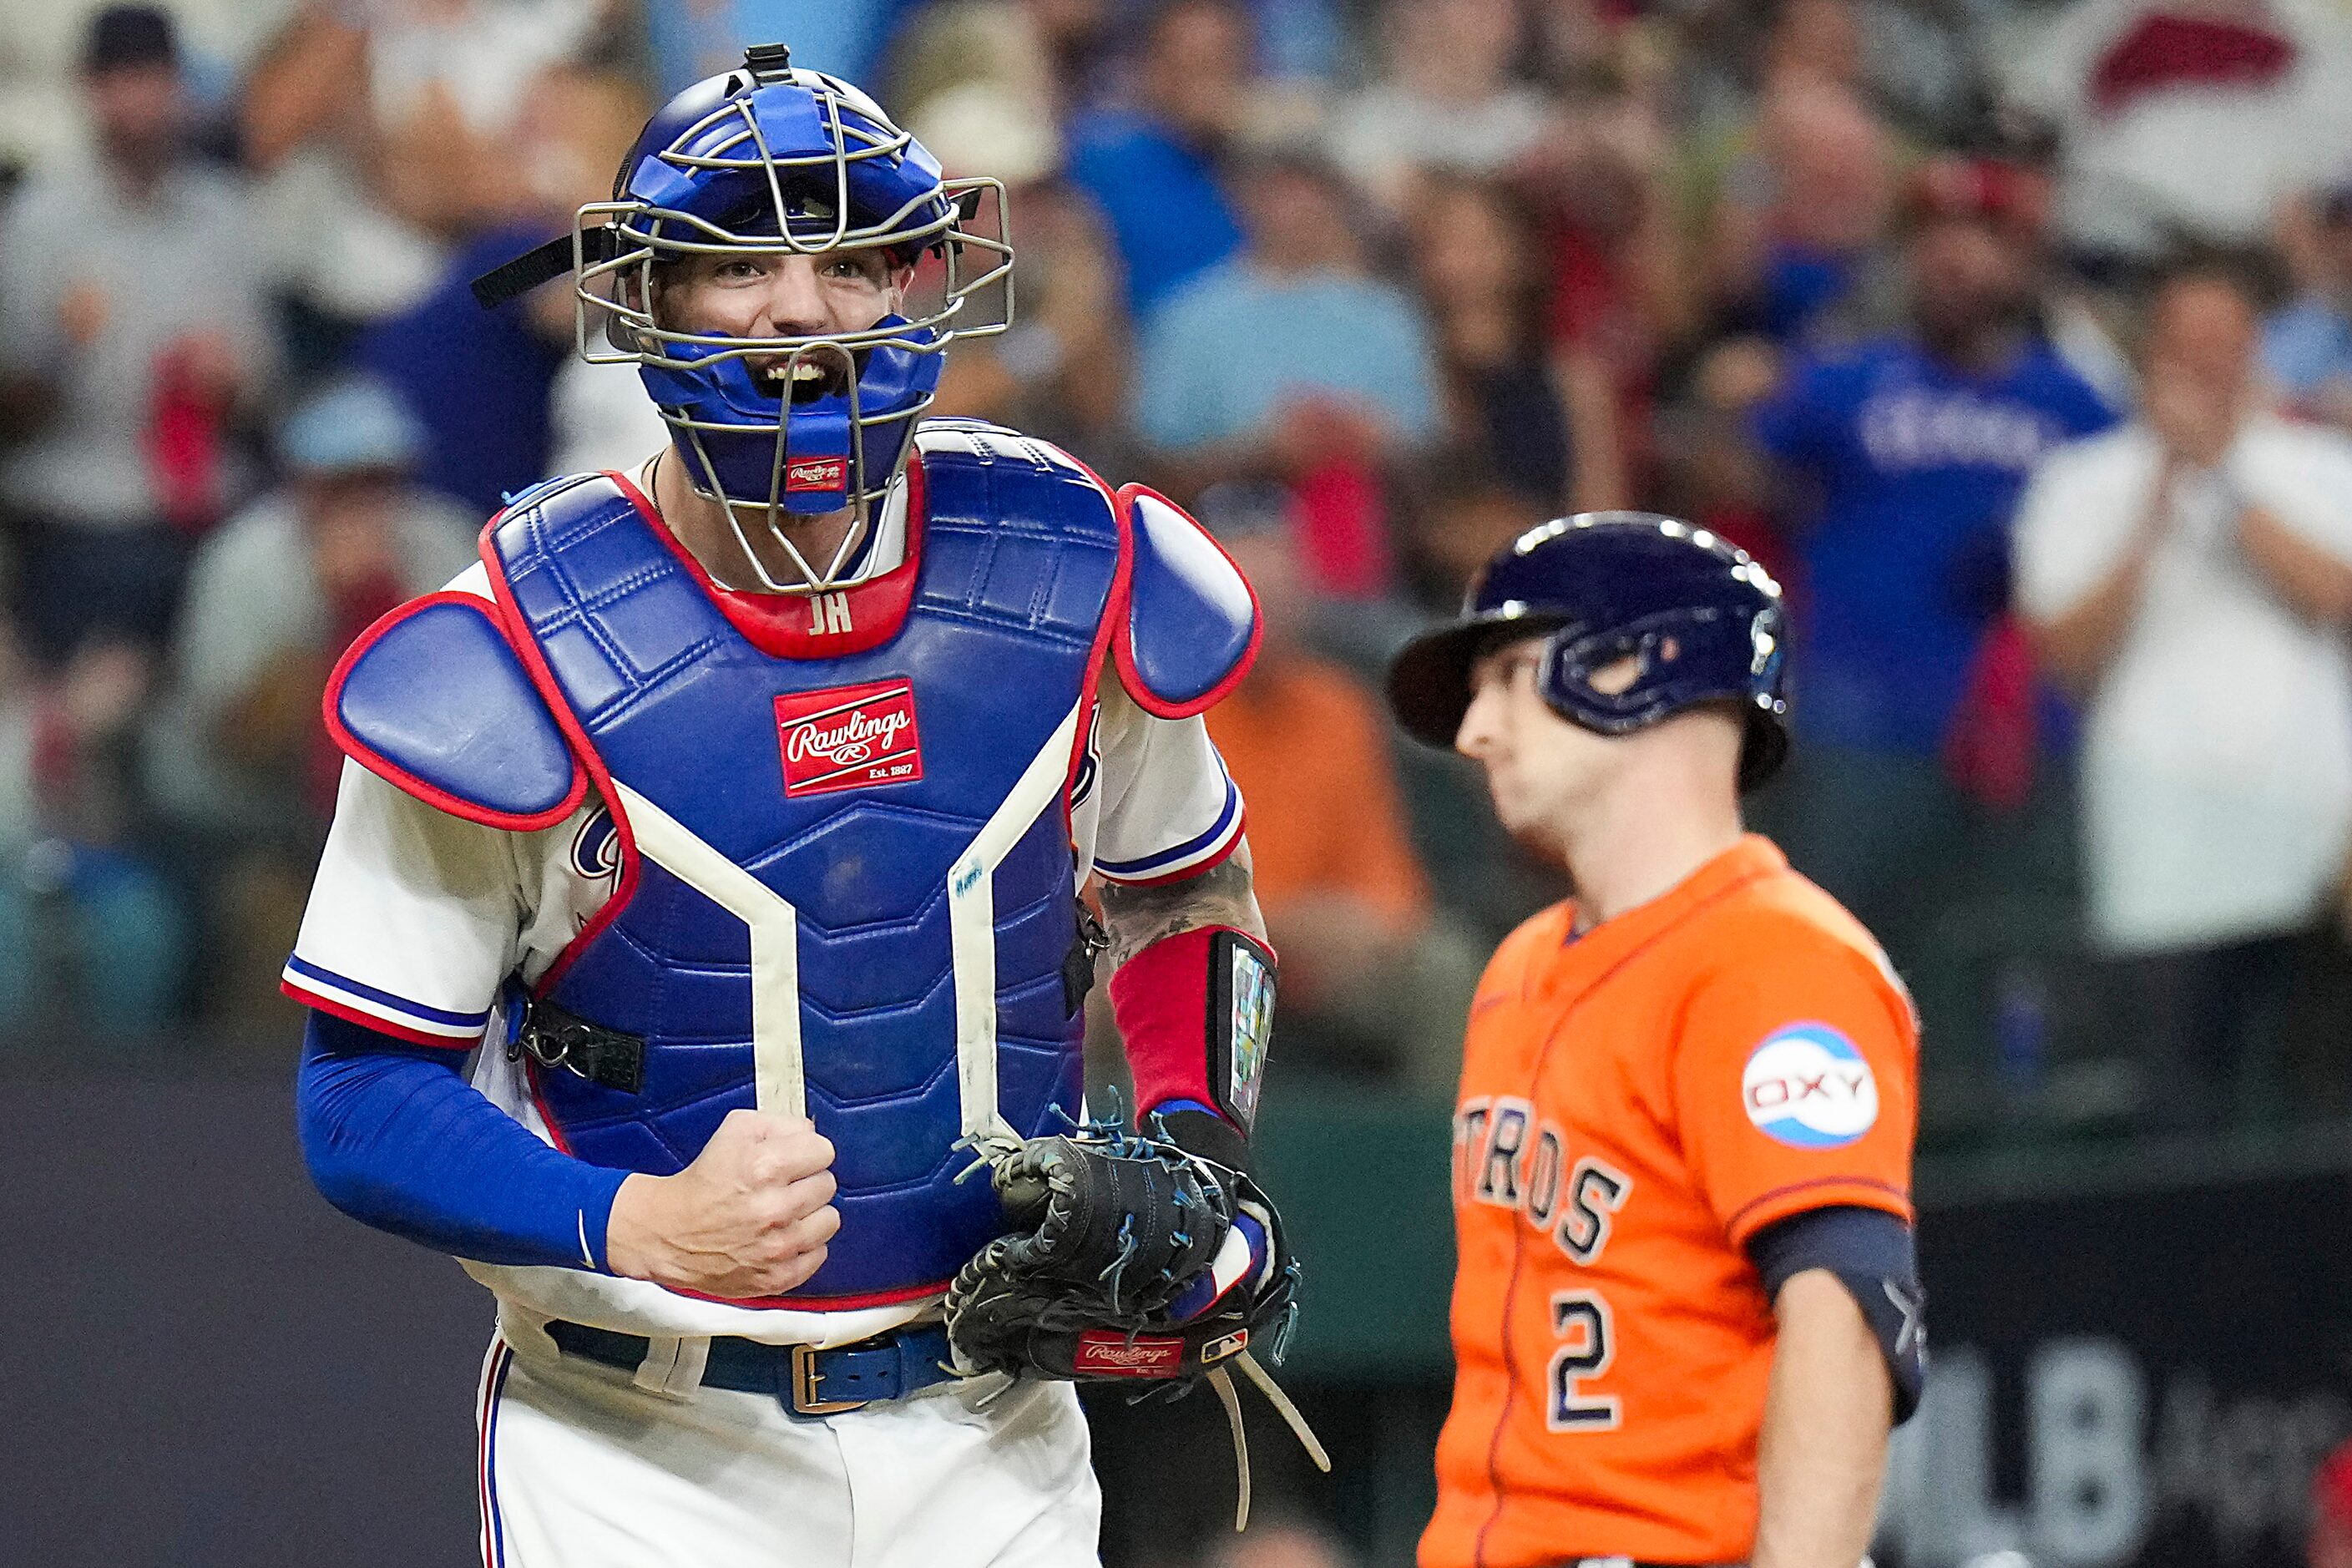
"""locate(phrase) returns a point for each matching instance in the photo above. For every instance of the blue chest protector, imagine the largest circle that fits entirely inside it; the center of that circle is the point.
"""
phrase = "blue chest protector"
(850, 888)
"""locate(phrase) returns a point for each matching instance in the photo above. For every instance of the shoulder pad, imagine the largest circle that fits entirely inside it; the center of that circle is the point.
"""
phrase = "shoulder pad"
(435, 700)
(1192, 620)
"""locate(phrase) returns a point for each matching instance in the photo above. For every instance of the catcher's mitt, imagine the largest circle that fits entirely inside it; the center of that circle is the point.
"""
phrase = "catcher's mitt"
(1133, 1261)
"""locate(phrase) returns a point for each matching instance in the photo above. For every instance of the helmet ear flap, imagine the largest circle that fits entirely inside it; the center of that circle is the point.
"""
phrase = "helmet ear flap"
(1763, 745)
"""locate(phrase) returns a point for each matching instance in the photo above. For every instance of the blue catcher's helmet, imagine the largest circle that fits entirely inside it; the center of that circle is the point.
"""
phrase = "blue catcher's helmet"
(767, 159)
(1703, 618)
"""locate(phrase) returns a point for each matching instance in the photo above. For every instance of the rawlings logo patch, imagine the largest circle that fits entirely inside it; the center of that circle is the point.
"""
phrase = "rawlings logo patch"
(1106, 1352)
(816, 474)
(849, 737)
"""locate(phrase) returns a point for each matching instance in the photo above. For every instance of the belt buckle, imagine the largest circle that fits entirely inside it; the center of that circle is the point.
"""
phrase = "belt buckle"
(802, 1399)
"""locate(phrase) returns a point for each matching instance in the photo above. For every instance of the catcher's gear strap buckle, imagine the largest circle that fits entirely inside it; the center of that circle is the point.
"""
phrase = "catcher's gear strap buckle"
(1078, 965)
(804, 1379)
(555, 1037)
(1196, 1010)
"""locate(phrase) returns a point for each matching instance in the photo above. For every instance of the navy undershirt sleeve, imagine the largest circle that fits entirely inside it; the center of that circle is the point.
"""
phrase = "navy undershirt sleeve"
(1841, 1238)
(1875, 1256)
(395, 1137)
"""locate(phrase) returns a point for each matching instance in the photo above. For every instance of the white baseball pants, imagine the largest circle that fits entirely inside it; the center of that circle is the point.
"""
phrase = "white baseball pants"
(580, 1469)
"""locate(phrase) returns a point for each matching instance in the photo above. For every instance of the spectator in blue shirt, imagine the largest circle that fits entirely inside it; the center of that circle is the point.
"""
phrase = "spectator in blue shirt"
(1902, 461)
(1291, 362)
(1152, 168)
(1274, 349)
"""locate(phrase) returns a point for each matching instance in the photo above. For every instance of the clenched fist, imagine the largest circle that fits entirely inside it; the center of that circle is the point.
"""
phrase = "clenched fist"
(749, 1217)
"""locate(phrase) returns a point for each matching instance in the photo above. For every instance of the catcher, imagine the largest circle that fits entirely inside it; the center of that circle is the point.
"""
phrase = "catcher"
(703, 896)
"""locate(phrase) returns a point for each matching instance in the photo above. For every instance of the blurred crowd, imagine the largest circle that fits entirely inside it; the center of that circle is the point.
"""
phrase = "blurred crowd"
(2015, 338)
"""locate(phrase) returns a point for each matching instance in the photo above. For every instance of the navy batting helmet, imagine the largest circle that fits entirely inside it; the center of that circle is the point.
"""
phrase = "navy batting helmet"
(1703, 618)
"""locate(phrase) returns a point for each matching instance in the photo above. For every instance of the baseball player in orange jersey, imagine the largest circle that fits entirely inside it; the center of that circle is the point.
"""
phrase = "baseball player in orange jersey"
(1687, 1312)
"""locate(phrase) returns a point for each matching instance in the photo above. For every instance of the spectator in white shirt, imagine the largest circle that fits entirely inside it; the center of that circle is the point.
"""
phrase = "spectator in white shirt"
(2188, 118)
(134, 338)
(2190, 576)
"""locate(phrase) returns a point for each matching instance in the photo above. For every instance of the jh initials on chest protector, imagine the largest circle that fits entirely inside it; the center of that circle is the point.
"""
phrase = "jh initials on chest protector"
(852, 890)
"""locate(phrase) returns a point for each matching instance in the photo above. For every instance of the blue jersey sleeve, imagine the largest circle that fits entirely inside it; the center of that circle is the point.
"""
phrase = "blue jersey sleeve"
(394, 1138)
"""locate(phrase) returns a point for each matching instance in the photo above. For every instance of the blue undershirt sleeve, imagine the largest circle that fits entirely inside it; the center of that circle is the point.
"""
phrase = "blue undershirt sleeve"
(396, 1138)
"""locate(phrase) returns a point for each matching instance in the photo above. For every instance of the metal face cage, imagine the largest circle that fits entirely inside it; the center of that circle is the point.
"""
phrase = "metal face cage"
(617, 244)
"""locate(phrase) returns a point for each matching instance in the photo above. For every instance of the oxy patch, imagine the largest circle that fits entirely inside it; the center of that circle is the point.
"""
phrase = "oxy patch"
(1807, 1086)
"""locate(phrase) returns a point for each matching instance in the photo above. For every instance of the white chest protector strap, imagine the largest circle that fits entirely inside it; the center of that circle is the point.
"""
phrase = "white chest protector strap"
(972, 927)
(781, 1079)
(780, 1084)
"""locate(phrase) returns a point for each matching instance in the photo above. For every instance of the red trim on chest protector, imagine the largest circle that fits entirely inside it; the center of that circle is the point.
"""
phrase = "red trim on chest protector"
(1160, 1000)
(781, 625)
(898, 1297)
(1123, 649)
(1114, 616)
(534, 664)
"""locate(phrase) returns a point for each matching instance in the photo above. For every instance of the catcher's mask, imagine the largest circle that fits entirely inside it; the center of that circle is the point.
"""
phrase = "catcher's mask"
(771, 160)
(1703, 620)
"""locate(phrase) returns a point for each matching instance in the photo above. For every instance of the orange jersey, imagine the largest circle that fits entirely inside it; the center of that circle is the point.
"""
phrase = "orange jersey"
(1637, 1103)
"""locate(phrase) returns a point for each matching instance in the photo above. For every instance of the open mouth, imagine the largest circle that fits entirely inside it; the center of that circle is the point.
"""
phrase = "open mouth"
(814, 377)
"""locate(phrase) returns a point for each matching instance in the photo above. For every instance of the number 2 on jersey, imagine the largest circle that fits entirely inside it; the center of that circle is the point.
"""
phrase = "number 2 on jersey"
(1581, 1319)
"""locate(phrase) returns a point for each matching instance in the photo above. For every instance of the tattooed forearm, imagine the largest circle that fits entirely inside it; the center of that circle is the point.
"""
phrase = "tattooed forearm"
(1134, 918)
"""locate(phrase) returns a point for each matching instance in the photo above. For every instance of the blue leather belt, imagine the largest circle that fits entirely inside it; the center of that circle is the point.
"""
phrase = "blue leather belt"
(805, 1380)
